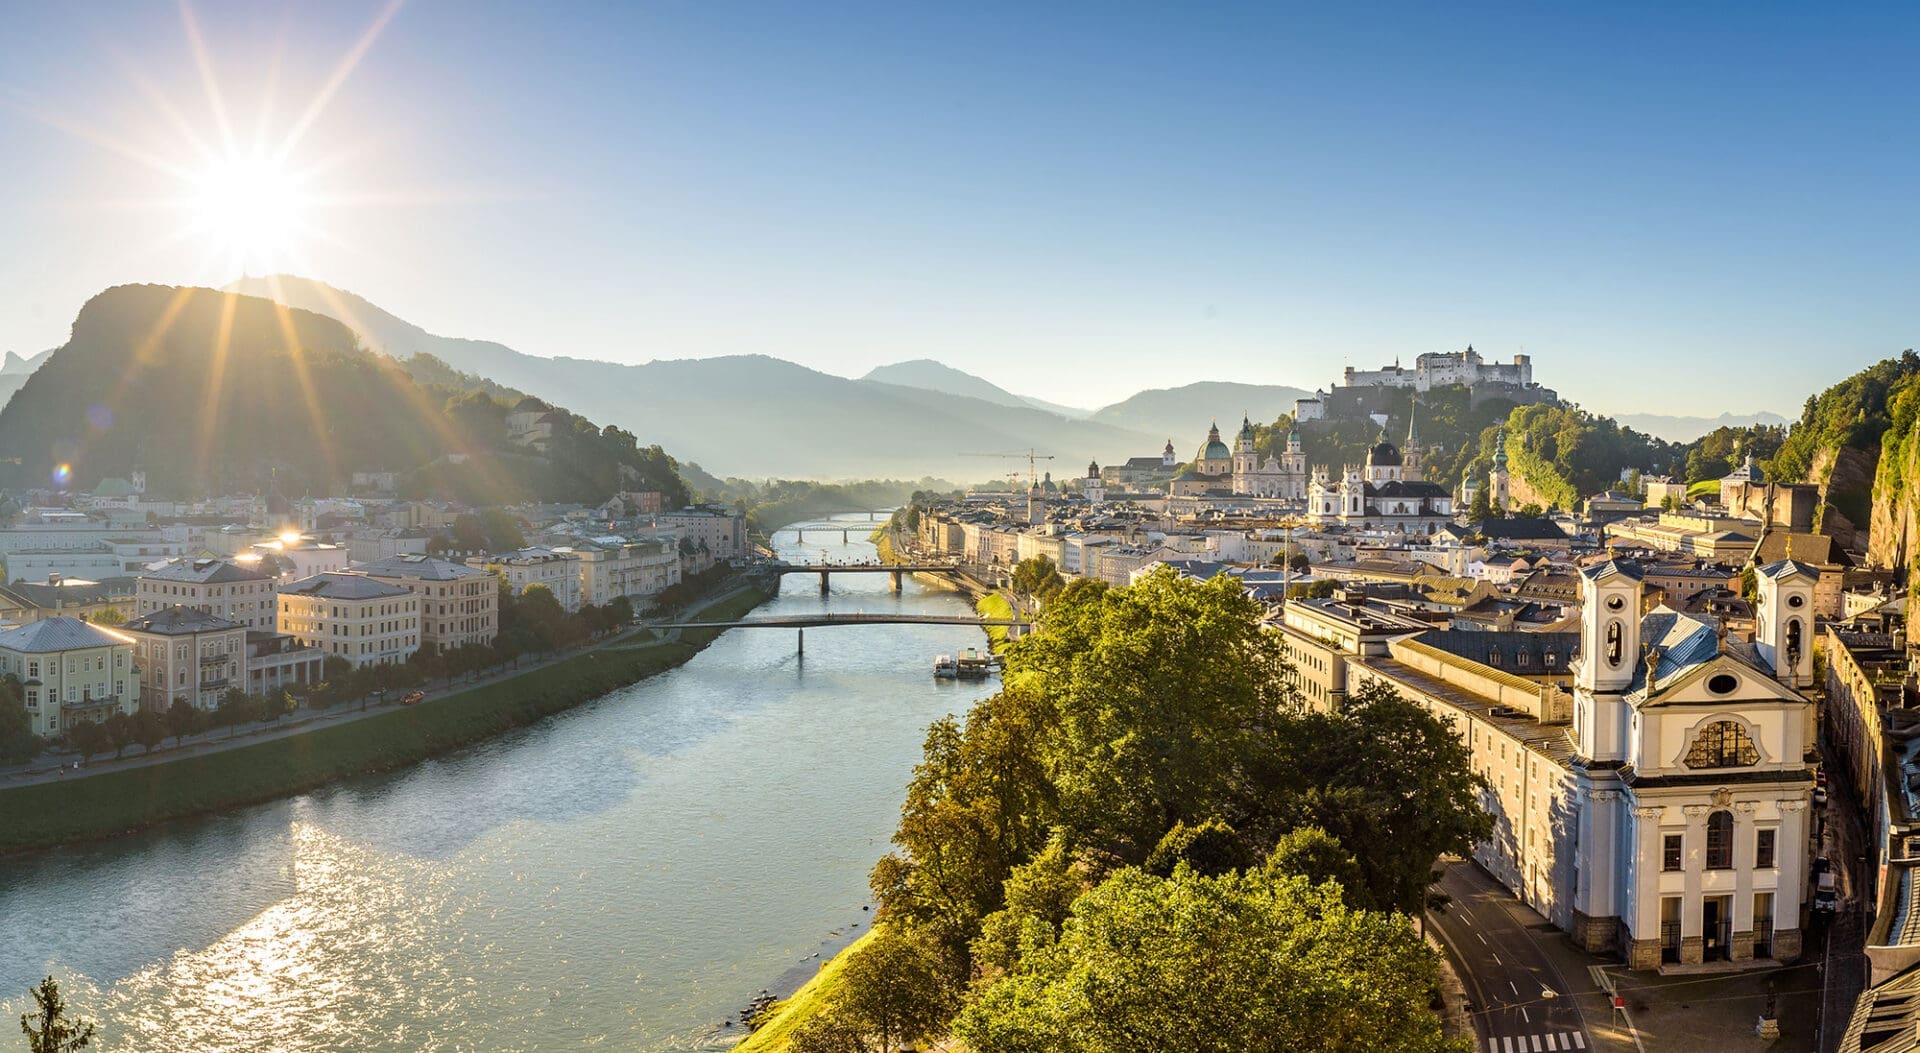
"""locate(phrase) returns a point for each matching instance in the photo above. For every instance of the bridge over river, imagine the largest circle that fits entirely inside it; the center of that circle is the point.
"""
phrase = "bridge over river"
(802, 622)
(897, 570)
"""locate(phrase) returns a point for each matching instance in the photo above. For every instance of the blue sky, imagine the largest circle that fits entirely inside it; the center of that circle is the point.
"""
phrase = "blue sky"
(1672, 211)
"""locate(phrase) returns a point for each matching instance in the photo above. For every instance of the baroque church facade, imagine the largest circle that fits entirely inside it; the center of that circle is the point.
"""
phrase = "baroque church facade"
(1389, 492)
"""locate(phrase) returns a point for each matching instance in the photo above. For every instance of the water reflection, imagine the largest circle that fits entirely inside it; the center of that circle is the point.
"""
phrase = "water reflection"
(626, 874)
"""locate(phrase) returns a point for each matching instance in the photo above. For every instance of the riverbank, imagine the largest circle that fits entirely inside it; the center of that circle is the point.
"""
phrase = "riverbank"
(812, 997)
(47, 814)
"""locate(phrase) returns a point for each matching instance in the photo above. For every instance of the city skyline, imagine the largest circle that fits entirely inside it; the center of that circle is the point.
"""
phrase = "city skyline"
(1076, 204)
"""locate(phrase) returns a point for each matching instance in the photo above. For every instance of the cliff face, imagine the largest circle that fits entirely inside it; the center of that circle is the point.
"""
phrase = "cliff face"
(1894, 531)
(1846, 478)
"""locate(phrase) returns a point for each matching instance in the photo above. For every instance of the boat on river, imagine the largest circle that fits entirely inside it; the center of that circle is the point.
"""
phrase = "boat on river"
(974, 664)
(946, 667)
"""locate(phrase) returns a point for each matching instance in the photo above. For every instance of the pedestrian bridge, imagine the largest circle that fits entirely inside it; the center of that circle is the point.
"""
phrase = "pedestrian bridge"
(814, 621)
(896, 570)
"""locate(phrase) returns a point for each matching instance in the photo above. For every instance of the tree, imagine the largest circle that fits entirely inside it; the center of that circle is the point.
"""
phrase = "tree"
(1528, 511)
(1166, 693)
(149, 728)
(1039, 893)
(1246, 961)
(18, 743)
(892, 991)
(109, 616)
(544, 618)
(119, 732)
(1037, 577)
(1481, 509)
(1316, 855)
(182, 720)
(87, 738)
(48, 1029)
(1391, 782)
(979, 803)
(234, 710)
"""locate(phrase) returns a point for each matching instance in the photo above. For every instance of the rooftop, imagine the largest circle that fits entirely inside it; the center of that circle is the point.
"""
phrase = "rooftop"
(58, 634)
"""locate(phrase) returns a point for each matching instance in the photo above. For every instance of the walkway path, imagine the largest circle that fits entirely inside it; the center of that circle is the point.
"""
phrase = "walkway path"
(60, 767)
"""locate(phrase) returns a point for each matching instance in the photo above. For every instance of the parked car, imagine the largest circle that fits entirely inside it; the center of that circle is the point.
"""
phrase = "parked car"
(1826, 895)
(1819, 796)
(413, 698)
(1821, 864)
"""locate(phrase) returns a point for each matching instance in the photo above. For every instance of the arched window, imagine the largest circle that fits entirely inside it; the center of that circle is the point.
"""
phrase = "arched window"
(1722, 744)
(1720, 841)
(1793, 641)
(1613, 643)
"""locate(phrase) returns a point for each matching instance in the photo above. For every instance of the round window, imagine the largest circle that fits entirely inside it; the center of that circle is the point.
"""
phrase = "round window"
(1723, 683)
(1616, 602)
(1796, 600)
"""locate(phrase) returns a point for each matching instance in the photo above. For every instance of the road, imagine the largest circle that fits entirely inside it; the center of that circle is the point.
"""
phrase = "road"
(1520, 1003)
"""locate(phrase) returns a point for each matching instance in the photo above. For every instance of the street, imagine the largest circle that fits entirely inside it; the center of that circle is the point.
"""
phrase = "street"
(1520, 1003)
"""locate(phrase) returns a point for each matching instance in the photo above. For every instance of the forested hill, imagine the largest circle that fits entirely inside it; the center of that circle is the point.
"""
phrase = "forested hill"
(212, 392)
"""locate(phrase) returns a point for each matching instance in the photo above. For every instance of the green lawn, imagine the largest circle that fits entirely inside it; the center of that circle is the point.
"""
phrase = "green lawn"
(47, 814)
(1704, 488)
(994, 605)
(811, 998)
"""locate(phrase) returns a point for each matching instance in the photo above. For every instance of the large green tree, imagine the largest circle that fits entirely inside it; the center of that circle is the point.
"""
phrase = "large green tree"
(1246, 962)
(1166, 694)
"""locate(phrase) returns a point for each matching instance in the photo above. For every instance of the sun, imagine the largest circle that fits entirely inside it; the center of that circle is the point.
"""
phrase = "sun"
(249, 208)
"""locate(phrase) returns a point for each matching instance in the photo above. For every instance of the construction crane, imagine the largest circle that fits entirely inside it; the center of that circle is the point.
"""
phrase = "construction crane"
(1033, 462)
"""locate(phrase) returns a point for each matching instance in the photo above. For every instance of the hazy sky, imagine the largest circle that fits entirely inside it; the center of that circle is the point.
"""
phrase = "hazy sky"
(1681, 212)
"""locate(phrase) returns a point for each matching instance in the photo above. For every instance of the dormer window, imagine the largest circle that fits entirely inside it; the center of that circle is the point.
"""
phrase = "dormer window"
(1722, 744)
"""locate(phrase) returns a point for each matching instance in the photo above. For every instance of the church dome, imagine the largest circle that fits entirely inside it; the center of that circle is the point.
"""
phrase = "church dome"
(1214, 450)
(1384, 454)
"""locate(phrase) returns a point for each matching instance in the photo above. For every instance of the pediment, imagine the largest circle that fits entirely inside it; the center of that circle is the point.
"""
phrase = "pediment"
(1723, 681)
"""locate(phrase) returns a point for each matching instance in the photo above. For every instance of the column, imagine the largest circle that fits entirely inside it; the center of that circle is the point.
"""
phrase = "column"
(1642, 935)
(1790, 849)
(1743, 859)
(1693, 944)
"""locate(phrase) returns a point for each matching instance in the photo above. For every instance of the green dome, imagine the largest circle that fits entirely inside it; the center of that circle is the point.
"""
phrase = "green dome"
(1217, 451)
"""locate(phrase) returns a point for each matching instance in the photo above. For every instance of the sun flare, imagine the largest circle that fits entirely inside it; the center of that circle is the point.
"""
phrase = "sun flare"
(250, 209)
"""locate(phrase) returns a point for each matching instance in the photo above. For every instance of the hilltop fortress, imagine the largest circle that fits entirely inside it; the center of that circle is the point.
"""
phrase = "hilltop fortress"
(1363, 392)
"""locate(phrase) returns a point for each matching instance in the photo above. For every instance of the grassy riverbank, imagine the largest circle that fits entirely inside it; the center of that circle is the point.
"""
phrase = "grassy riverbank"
(47, 814)
(994, 605)
(806, 1003)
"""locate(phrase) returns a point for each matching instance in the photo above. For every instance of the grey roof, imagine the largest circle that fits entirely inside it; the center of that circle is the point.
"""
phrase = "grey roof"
(179, 620)
(68, 593)
(1608, 569)
(202, 571)
(1518, 529)
(345, 587)
(58, 634)
(1479, 645)
(1787, 568)
(1684, 641)
(426, 568)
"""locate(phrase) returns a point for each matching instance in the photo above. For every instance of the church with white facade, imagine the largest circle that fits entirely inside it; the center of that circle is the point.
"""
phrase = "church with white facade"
(1389, 492)
(1648, 776)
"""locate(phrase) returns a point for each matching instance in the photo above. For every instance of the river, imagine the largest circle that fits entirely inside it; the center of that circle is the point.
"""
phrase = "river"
(625, 875)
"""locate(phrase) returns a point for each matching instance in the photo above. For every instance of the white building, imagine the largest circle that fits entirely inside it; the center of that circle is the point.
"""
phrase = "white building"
(69, 671)
(1442, 368)
(215, 586)
(722, 530)
(458, 604)
(612, 566)
(185, 653)
(1661, 809)
(1283, 477)
(361, 619)
(1388, 493)
(559, 572)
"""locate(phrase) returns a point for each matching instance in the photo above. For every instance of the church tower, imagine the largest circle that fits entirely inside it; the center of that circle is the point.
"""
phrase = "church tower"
(1497, 497)
(1245, 461)
(1410, 453)
(1166, 456)
(1609, 653)
(1783, 620)
(1095, 488)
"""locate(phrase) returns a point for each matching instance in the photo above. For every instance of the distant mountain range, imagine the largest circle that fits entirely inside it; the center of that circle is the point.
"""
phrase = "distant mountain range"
(1687, 429)
(759, 416)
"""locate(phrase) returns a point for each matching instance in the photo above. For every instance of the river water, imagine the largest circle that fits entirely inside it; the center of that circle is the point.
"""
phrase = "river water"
(624, 876)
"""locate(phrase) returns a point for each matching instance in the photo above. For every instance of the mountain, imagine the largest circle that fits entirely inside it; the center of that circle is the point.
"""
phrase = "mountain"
(214, 392)
(1687, 429)
(14, 372)
(754, 415)
(929, 375)
(1183, 413)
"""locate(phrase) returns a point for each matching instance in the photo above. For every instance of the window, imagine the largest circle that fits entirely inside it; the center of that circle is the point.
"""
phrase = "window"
(1720, 841)
(1763, 848)
(1670, 852)
(1722, 744)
